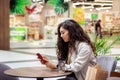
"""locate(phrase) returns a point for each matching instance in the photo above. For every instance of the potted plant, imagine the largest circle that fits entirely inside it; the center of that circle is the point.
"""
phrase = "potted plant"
(104, 45)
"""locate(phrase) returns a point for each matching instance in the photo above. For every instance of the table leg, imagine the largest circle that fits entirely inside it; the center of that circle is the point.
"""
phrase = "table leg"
(40, 79)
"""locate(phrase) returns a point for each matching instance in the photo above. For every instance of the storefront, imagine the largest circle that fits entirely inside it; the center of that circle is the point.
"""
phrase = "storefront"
(38, 27)
(41, 24)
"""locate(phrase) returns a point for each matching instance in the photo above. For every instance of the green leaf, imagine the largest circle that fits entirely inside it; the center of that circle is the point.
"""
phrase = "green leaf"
(103, 45)
(59, 6)
(118, 58)
(18, 6)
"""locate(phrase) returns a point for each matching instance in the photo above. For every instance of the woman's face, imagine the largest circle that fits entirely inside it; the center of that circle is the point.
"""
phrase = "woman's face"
(64, 34)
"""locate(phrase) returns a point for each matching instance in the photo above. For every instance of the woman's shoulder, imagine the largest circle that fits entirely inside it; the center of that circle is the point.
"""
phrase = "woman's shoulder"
(82, 43)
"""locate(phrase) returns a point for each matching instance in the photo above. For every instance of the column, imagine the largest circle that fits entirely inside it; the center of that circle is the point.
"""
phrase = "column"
(4, 25)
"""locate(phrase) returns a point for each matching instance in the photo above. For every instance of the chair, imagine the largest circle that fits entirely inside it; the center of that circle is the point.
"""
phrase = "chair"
(107, 63)
(96, 73)
(4, 67)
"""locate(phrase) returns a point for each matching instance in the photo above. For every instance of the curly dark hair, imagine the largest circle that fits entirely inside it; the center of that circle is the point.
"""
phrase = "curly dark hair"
(76, 33)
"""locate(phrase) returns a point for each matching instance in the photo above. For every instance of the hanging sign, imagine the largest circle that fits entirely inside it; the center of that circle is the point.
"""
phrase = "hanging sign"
(18, 33)
(79, 15)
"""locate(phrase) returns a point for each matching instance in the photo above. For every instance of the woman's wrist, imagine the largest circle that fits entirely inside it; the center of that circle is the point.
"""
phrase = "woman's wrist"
(51, 65)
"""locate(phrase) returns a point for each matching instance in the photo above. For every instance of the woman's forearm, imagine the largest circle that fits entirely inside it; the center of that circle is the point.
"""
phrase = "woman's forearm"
(51, 65)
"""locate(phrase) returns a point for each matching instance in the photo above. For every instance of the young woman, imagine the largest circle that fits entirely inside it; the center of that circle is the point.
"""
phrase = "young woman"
(74, 47)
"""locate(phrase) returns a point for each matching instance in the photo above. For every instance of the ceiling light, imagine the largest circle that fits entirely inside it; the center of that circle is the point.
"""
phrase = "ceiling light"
(107, 10)
(104, 1)
(90, 9)
(104, 8)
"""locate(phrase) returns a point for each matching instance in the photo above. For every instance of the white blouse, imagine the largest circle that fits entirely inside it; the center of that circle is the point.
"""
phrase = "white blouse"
(80, 60)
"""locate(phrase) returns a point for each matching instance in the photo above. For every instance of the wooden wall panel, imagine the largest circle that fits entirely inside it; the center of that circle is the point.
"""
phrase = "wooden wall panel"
(4, 25)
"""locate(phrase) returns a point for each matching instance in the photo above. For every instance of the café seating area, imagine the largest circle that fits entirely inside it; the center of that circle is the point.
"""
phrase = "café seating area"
(27, 58)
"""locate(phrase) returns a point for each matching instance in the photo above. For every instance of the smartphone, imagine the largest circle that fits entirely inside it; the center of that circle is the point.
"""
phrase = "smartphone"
(40, 57)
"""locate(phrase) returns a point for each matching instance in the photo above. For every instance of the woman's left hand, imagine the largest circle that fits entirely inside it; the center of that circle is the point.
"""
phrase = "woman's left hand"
(51, 65)
(47, 62)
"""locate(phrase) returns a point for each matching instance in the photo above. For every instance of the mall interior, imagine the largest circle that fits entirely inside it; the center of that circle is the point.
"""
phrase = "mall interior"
(30, 26)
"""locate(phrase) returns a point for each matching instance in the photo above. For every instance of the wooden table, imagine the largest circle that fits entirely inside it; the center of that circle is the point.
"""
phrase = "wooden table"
(35, 72)
(115, 74)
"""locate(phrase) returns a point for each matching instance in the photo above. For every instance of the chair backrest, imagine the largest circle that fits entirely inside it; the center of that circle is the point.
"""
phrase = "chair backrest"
(4, 67)
(107, 63)
(96, 73)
